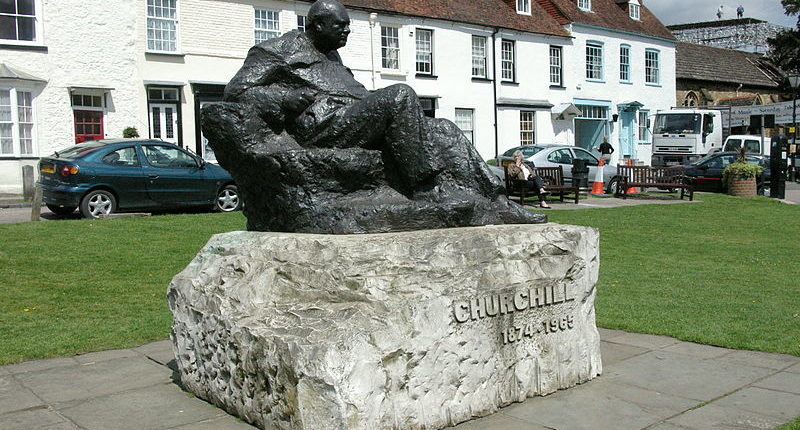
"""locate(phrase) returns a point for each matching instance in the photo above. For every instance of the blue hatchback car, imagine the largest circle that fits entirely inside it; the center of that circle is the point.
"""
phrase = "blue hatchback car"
(116, 175)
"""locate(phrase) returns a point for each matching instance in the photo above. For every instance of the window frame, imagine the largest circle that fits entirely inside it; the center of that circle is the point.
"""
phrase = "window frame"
(15, 123)
(175, 20)
(428, 105)
(301, 23)
(266, 19)
(385, 49)
(477, 59)
(471, 136)
(524, 7)
(634, 10)
(99, 109)
(648, 67)
(642, 127)
(625, 63)
(585, 5)
(557, 68)
(429, 53)
(595, 111)
(37, 26)
(527, 127)
(508, 65)
(598, 47)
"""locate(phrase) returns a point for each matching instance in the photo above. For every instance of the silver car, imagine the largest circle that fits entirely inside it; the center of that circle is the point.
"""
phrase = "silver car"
(560, 155)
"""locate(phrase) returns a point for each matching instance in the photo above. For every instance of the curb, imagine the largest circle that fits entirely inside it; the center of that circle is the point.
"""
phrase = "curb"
(15, 204)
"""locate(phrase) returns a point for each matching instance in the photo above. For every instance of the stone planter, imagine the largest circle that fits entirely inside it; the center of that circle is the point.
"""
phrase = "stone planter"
(742, 187)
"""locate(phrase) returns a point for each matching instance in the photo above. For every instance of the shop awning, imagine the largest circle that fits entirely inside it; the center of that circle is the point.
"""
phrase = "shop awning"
(524, 103)
(8, 72)
(565, 111)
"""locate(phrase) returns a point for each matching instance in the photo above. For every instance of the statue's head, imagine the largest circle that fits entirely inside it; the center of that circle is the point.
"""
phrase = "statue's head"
(328, 25)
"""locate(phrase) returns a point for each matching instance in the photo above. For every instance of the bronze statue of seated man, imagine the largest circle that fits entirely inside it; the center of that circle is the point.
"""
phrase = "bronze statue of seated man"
(312, 150)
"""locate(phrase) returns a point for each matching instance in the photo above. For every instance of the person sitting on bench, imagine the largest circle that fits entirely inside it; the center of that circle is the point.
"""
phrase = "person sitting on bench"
(522, 171)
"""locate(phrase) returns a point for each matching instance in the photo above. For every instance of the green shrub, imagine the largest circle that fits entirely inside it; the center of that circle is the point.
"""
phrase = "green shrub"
(130, 132)
(742, 170)
(491, 161)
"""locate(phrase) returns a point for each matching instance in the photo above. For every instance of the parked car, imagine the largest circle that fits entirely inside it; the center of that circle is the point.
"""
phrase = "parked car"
(116, 175)
(707, 171)
(560, 155)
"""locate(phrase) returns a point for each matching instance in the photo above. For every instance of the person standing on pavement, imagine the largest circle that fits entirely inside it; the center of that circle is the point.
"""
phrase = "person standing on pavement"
(605, 150)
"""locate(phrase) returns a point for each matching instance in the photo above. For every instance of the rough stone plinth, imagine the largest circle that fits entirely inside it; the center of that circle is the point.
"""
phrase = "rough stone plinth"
(386, 331)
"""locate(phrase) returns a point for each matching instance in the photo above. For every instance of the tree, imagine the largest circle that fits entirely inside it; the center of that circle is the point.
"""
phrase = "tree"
(792, 8)
(784, 49)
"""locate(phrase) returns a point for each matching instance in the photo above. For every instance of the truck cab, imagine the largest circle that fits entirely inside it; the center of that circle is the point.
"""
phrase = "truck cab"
(681, 136)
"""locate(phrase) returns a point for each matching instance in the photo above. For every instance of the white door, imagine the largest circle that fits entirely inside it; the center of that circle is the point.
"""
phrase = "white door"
(164, 122)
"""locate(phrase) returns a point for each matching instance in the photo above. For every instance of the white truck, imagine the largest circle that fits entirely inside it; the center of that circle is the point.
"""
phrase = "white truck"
(681, 136)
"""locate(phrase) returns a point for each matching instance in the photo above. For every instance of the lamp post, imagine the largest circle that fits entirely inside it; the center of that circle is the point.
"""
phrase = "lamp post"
(794, 81)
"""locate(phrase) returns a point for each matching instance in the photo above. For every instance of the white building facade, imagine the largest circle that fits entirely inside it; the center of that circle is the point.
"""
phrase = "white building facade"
(620, 82)
(152, 64)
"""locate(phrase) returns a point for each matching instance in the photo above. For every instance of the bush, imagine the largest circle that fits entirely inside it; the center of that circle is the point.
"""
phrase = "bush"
(742, 170)
(491, 161)
(130, 132)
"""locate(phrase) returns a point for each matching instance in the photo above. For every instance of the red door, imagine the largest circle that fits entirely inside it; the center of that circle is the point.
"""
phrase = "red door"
(88, 125)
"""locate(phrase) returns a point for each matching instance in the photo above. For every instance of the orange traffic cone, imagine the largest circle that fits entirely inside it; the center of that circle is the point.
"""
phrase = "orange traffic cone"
(597, 188)
(629, 162)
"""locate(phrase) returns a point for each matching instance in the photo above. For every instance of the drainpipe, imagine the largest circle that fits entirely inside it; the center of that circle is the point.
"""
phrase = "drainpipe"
(372, 18)
(494, 88)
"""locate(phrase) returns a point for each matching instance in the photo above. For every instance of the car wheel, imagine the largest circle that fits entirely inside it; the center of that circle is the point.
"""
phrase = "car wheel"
(98, 202)
(61, 210)
(228, 199)
(613, 186)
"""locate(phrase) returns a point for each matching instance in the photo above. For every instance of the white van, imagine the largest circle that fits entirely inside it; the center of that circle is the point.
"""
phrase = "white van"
(752, 144)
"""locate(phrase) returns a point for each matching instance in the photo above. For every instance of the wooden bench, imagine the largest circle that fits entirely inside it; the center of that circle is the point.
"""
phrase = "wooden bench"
(554, 183)
(660, 177)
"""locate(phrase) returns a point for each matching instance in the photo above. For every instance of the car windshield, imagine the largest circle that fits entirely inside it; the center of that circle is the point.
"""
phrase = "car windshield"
(79, 150)
(527, 151)
(677, 123)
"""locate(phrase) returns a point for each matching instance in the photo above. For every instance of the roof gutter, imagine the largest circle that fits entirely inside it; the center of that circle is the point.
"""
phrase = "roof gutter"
(629, 33)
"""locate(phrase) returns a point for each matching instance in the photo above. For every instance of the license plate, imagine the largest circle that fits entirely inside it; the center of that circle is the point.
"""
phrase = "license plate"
(672, 163)
(48, 168)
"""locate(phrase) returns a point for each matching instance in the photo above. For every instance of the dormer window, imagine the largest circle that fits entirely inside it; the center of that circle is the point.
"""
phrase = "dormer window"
(585, 5)
(633, 9)
(524, 7)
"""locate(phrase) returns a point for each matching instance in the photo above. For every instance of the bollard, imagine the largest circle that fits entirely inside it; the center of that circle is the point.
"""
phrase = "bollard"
(36, 204)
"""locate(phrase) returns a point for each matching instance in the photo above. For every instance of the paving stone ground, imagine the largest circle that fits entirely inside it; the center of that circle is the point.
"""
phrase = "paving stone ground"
(648, 382)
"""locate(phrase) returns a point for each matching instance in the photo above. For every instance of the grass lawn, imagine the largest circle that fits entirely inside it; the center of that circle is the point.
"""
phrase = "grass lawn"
(723, 271)
(791, 425)
(75, 286)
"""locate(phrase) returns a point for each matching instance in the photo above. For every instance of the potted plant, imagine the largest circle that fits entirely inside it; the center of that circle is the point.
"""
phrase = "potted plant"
(740, 176)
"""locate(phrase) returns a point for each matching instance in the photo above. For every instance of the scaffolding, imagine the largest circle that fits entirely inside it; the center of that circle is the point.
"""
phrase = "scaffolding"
(745, 34)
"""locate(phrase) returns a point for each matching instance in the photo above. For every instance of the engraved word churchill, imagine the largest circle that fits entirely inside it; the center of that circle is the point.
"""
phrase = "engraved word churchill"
(506, 303)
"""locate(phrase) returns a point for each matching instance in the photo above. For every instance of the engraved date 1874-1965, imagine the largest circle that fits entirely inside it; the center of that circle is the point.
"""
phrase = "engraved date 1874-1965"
(515, 334)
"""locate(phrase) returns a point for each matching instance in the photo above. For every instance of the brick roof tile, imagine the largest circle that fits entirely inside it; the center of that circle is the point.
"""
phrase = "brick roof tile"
(490, 13)
(708, 63)
(611, 14)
